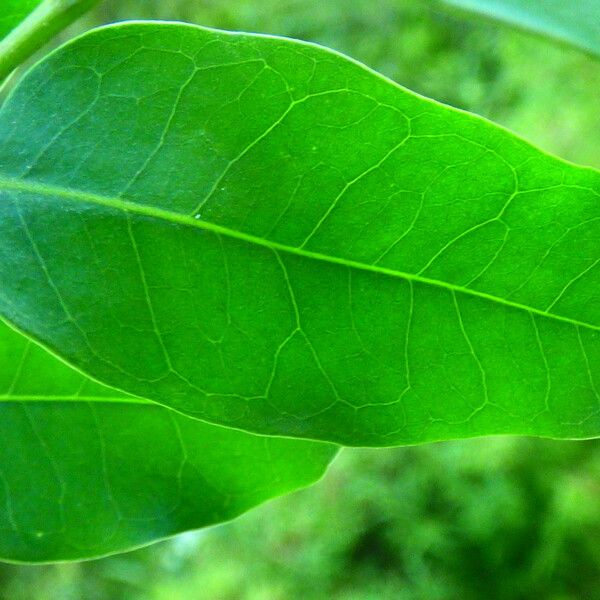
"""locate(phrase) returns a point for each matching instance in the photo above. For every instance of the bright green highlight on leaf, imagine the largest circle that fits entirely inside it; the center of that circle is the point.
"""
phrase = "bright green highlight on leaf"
(86, 471)
(264, 234)
(13, 12)
(577, 23)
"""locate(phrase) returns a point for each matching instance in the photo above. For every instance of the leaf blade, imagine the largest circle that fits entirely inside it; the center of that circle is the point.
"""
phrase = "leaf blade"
(86, 472)
(277, 194)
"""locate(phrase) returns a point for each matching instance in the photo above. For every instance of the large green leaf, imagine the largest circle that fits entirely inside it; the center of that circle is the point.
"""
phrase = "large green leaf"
(13, 12)
(577, 23)
(265, 234)
(85, 471)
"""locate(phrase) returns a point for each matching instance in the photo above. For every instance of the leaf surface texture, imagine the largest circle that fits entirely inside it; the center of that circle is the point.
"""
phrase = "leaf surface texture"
(262, 233)
(86, 471)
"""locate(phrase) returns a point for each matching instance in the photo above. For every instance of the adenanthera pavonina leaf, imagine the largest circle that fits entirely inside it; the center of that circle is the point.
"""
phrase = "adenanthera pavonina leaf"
(86, 470)
(264, 234)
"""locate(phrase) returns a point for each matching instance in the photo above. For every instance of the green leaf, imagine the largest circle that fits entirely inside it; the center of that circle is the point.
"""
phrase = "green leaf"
(577, 23)
(262, 233)
(86, 471)
(13, 12)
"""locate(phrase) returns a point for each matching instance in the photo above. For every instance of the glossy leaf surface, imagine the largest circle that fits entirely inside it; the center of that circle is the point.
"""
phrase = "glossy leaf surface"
(86, 471)
(267, 235)
(577, 23)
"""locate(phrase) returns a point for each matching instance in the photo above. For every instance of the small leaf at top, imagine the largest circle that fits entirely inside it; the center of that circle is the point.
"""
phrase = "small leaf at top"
(577, 23)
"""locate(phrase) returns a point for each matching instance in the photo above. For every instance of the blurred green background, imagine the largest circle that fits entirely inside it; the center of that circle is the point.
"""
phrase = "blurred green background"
(494, 518)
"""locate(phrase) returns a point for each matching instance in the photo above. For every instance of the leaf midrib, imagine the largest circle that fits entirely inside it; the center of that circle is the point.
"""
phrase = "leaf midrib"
(126, 206)
(14, 398)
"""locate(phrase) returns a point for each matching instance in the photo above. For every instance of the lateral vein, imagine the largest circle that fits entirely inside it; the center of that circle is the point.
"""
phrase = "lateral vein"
(129, 207)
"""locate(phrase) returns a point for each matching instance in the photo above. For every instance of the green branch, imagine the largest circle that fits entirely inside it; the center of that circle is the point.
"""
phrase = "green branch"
(48, 19)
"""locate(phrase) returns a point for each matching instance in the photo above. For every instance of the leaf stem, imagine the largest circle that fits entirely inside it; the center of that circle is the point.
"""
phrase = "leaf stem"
(49, 18)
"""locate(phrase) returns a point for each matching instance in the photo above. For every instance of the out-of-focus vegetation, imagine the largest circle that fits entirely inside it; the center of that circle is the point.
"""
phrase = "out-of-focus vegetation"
(501, 518)
(497, 518)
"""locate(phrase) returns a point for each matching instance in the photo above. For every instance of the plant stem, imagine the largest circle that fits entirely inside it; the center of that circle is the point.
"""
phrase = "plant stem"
(48, 19)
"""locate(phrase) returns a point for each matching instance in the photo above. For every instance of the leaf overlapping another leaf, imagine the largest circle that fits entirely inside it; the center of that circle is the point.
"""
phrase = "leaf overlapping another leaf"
(86, 471)
(264, 234)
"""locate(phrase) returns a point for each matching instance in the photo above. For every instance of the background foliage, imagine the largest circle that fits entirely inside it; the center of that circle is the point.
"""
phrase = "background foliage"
(491, 518)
